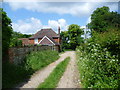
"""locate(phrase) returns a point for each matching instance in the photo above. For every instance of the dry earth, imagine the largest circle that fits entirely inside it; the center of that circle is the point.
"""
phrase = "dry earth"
(70, 78)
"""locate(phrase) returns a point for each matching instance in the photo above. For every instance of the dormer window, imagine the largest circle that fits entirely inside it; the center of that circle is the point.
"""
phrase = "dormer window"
(36, 40)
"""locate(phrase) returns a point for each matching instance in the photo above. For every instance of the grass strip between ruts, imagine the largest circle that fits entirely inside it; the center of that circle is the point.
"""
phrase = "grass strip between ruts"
(52, 80)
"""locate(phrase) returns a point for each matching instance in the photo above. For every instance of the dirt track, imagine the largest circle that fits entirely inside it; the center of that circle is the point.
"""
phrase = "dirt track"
(70, 78)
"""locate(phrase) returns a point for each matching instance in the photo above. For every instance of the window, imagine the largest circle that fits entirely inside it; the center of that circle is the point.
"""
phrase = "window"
(36, 40)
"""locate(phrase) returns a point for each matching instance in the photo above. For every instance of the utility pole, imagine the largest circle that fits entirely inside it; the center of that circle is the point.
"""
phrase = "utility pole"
(119, 7)
(85, 33)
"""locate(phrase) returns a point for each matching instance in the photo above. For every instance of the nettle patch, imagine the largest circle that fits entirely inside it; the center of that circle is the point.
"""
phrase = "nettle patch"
(98, 68)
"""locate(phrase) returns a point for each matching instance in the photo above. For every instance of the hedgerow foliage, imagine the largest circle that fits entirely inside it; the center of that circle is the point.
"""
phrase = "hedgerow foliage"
(98, 58)
(98, 68)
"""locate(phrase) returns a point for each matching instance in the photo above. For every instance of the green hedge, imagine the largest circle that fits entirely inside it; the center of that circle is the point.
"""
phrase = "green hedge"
(98, 68)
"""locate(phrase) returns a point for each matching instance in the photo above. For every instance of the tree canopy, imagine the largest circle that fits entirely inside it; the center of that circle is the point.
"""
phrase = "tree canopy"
(72, 38)
(105, 27)
(6, 31)
(102, 19)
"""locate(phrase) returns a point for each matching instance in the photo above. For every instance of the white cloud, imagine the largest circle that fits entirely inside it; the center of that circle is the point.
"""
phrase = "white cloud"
(56, 23)
(27, 26)
(73, 8)
(89, 20)
(61, 1)
(32, 25)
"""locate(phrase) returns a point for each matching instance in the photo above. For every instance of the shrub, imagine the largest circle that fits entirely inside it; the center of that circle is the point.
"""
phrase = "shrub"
(109, 40)
(98, 68)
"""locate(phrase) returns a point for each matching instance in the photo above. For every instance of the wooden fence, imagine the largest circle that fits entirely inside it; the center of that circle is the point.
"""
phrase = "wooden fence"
(17, 54)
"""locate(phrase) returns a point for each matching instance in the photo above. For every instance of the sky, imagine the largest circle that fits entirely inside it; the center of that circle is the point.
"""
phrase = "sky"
(29, 17)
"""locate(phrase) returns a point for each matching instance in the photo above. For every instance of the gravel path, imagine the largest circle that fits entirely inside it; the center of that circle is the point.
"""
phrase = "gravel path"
(70, 79)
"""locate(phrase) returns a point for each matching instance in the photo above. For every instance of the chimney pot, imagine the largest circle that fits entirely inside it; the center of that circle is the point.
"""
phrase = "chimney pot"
(58, 30)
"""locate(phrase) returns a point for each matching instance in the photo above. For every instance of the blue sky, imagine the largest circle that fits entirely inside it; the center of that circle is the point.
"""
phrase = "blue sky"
(29, 17)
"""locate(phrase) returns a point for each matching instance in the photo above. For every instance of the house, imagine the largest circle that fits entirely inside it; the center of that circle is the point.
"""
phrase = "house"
(46, 37)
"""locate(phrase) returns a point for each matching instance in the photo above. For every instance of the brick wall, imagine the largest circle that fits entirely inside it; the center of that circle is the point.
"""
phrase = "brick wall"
(17, 54)
(31, 41)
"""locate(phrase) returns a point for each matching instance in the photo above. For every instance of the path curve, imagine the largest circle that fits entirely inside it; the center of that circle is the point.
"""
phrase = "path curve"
(70, 79)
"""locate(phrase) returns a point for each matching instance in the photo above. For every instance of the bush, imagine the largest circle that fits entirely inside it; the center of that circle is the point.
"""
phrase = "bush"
(109, 40)
(98, 68)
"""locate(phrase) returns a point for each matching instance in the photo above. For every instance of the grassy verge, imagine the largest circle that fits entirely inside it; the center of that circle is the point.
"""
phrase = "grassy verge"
(12, 74)
(38, 60)
(54, 77)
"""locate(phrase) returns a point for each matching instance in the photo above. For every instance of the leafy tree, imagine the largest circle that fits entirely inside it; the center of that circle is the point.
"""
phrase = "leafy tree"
(72, 38)
(102, 20)
(97, 19)
(65, 40)
(75, 32)
(6, 31)
(108, 34)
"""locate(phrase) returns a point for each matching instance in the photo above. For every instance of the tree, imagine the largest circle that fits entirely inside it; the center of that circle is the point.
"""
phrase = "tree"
(75, 32)
(72, 38)
(97, 19)
(102, 19)
(65, 40)
(6, 31)
(105, 27)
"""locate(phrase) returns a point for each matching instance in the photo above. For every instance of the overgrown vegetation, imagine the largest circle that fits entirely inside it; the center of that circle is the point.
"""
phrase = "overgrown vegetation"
(98, 58)
(14, 74)
(40, 59)
(98, 68)
(54, 77)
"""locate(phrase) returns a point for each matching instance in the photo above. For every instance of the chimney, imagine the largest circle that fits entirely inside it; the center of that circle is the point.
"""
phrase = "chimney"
(58, 30)
(59, 34)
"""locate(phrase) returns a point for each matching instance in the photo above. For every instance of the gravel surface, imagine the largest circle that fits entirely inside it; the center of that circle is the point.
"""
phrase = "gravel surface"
(70, 78)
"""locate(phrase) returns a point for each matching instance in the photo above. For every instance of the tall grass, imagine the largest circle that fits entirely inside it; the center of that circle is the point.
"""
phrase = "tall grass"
(14, 74)
(54, 77)
(38, 60)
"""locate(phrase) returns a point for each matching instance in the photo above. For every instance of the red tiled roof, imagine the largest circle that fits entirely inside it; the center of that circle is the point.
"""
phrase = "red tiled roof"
(45, 32)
